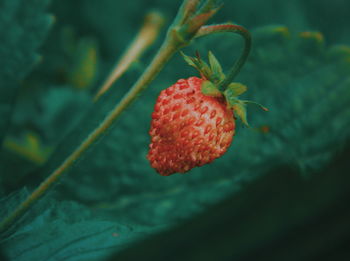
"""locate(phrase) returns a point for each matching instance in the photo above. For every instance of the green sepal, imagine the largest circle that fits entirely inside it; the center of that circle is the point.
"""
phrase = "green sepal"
(240, 112)
(188, 60)
(199, 64)
(231, 99)
(236, 88)
(210, 89)
(255, 103)
(238, 106)
(216, 69)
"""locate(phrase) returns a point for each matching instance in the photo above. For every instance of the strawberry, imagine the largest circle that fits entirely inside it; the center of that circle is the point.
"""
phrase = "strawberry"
(193, 122)
(188, 128)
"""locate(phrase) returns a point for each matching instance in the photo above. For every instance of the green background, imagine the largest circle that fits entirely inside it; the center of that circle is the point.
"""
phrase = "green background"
(276, 195)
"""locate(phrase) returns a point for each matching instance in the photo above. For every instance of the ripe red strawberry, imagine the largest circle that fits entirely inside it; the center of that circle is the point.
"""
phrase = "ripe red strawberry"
(193, 121)
(188, 128)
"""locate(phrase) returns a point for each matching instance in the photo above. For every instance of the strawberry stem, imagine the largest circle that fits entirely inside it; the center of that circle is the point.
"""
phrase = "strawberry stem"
(232, 28)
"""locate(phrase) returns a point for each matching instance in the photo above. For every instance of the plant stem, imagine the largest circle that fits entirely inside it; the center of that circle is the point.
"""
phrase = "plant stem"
(231, 28)
(144, 39)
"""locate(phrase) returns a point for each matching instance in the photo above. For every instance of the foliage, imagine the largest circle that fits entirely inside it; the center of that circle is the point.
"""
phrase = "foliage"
(296, 219)
(112, 197)
(18, 48)
(58, 233)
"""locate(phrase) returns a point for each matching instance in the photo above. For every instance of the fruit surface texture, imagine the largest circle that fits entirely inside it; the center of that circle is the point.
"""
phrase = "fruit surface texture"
(188, 128)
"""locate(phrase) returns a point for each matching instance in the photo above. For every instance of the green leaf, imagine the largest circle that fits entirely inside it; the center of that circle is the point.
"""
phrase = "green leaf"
(23, 27)
(286, 215)
(210, 89)
(62, 230)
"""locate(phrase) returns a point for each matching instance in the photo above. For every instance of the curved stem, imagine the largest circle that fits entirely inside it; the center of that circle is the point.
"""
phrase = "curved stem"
(143, 40)
(237, 29)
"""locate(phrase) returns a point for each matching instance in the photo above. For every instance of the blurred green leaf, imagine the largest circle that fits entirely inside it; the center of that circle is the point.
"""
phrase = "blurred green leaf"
(23, 27)
(280, 216)
(56, 230)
